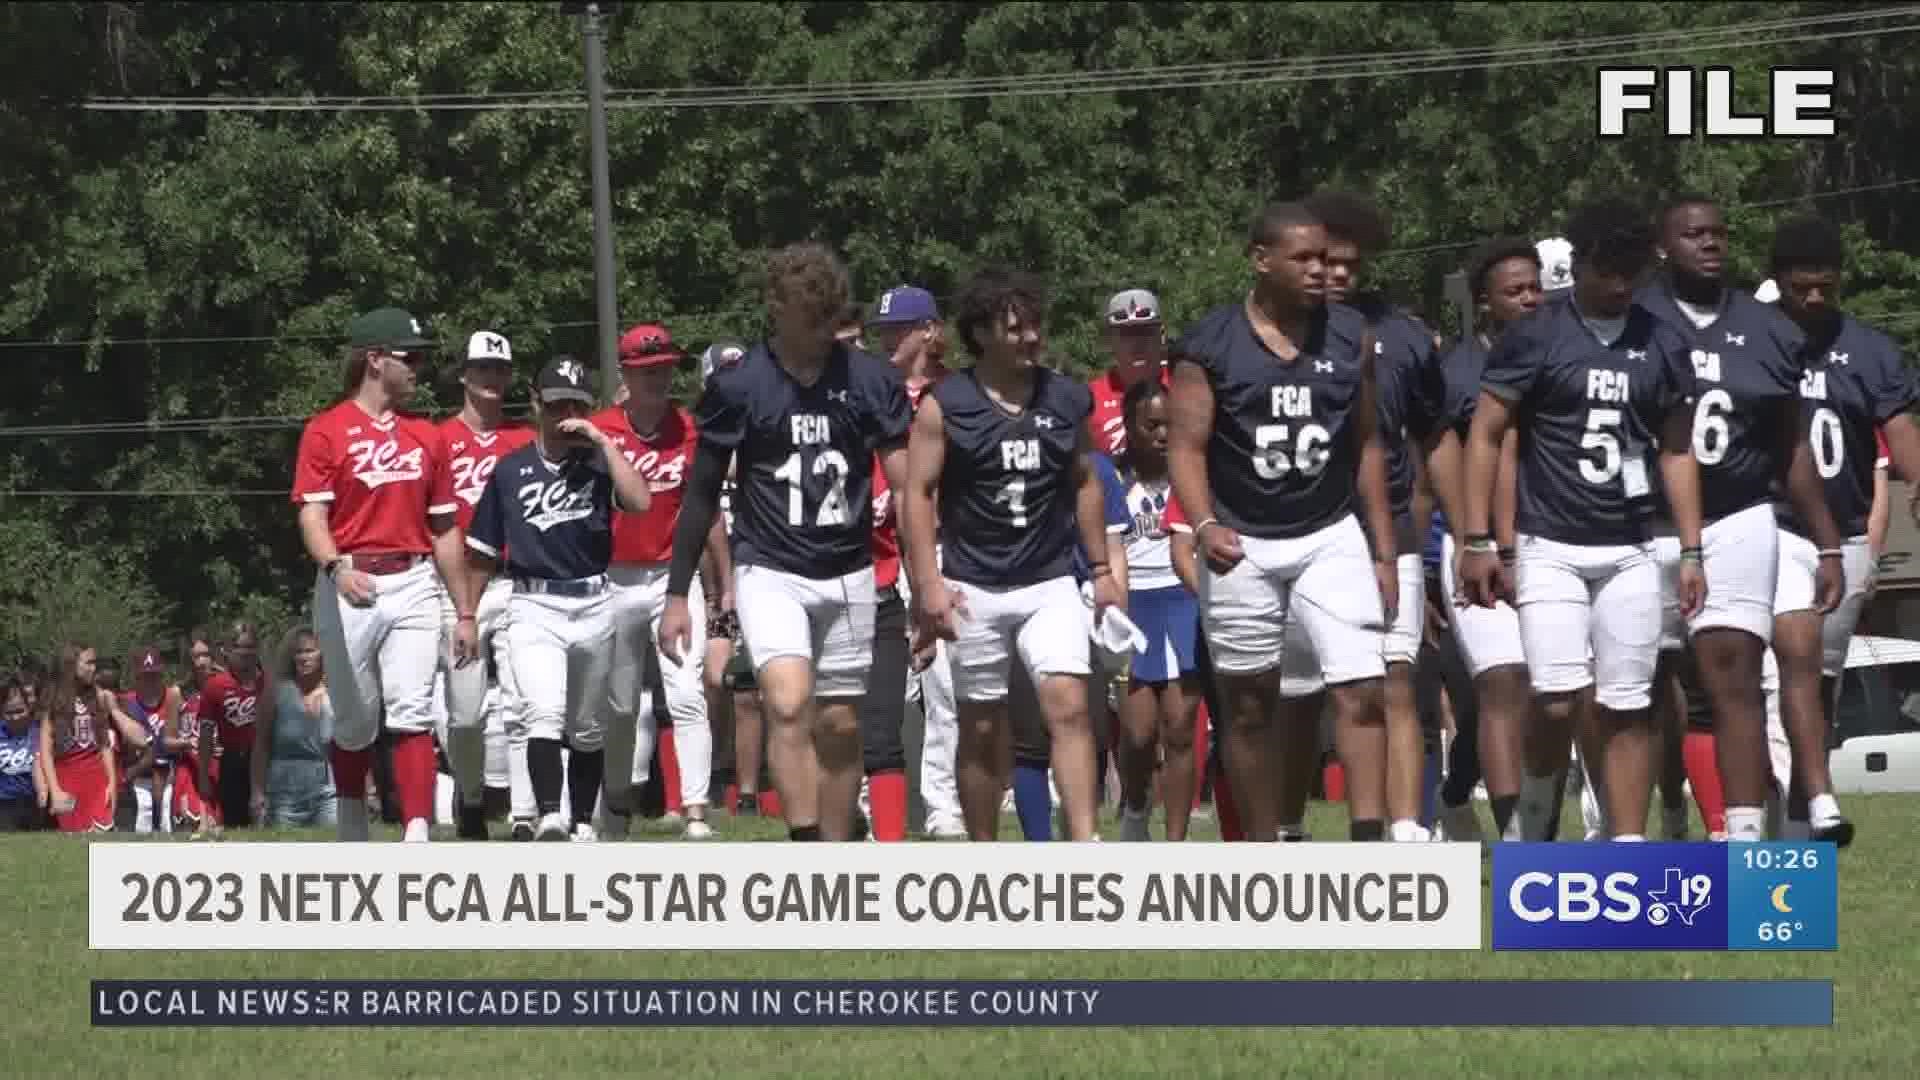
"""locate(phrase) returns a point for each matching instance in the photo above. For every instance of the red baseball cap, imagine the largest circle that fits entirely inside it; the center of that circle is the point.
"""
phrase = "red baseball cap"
(649, 345)
(150, 662)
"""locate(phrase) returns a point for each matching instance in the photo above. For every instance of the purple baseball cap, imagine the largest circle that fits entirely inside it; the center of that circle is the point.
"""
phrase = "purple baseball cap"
(904, 305)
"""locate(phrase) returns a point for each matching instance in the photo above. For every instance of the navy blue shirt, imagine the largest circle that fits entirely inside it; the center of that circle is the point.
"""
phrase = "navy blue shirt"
(17, 751)
(1408, 393)
(553, 520)
(1746, 370)
(1854, 383)
(804, 504)
(1119, 518)
(1008, 504)
(1461, 372)
(1589, 414)
(1285, 450)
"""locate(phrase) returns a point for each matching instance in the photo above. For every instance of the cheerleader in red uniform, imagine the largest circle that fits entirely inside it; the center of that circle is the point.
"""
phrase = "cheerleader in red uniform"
(78, 723)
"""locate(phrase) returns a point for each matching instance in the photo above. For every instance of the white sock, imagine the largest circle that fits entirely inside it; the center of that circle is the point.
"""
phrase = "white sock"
(1746, 824)
(1823, 809)
(1796, 830)
(1629, 838)
(1404, 831)
(1535, 810)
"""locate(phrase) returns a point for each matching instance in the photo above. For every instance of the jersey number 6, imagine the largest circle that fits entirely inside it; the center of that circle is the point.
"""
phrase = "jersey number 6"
(833, 508)
(1309, 456)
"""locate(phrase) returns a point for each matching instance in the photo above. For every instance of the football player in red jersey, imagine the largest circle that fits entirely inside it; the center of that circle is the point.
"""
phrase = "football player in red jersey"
(1136, 336)
(362, 481)
(477, 738)
(657, 437)
(906, 328)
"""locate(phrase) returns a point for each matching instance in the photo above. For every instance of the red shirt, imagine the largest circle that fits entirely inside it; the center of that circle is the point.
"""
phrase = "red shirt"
(664, 459)
(233, 706)
(886, 526)
(465, 459)
(1108, 423)
(375, 474)
(1886, 456)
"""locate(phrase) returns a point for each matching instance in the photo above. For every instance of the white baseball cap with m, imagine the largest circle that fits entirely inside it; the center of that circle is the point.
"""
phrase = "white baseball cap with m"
(487, 345)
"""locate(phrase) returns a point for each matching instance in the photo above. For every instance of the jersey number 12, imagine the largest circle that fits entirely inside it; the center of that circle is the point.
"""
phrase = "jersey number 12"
(833, 508)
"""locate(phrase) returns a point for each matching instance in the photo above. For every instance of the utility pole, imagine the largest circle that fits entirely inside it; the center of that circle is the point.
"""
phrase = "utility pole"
(593, 18)
(1460, 295)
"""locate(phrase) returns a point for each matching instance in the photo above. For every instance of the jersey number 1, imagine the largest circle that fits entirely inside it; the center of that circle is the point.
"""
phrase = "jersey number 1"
(833, 508)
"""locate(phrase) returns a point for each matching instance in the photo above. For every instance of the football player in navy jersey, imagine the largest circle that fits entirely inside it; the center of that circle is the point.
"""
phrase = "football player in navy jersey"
(1504, 275)
(1594, 383)
(804, 413)
(1003, 447)
(1855, 381)
(1408, 391)
(1750, 441)
(1274, 454)
(547, 514)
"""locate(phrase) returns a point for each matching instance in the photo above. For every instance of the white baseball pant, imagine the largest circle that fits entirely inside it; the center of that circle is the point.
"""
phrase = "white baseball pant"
(381, 658)
(1740, 554)
(563, 652)
(1323, 581)
(1590, 615)
(639, 599)
(828, 621)
(476, 721)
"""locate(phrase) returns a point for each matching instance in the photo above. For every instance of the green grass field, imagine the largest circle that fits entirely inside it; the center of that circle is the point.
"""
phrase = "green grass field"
(46, 1030)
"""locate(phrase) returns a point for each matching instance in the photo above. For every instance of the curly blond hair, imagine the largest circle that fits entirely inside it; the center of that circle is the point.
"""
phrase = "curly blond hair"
(810, 279)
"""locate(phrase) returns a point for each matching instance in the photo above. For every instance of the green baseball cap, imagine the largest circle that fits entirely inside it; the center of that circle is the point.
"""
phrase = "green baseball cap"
(389, 328)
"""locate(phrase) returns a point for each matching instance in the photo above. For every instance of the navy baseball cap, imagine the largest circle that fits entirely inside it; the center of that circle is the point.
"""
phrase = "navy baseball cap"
(904, 305)
(563, 379)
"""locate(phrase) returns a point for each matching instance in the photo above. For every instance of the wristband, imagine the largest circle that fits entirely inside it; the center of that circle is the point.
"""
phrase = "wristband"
(465, 618)
(332, 565)
(1690, 554)
(1508, 555)
(1482, 545)
(1830, 553)
(1098, 569)
(1202, 527)
(1479, 538)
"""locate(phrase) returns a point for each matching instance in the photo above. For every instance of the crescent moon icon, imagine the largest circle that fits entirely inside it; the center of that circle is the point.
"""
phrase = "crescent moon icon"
(1779, 896)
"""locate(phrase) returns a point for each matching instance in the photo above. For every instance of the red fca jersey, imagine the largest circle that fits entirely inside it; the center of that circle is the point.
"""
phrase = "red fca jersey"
(664, 459)
(1108, 424)
(886, 526)
(466, 459)
(375, 474)
(233, 706)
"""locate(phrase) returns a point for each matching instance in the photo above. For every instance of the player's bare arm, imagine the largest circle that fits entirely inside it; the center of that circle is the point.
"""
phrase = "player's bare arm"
(1189, 428)
(692, 535)
(893, 466)
(1879, 517)
(1801, 481)
(926, 459)
(1090, 513)
(127, 726)
(1506, 494)
(1479, 559)
(1375, 498)
(630, 492)
(1680, 474)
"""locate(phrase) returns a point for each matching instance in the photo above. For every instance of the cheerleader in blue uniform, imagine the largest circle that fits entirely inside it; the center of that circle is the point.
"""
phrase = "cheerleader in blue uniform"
(1157, 715)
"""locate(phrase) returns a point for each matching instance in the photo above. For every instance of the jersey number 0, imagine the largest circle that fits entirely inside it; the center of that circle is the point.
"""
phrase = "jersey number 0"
(833, 508)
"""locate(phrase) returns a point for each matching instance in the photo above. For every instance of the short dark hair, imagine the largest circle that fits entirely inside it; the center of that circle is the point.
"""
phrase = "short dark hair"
(989, 295)
(1681, 202)
(1354, 217)
(1492, 253)
(1611, 235)
(809, 277)
(1137, 397)
(1275, 218)
(1808, 242)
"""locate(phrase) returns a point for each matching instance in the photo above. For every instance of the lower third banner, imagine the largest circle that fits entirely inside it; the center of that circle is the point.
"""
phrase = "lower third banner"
(935, 1003)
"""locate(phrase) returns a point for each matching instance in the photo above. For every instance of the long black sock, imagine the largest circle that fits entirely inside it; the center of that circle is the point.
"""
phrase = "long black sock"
(584, 774)
(1367, 831)
(804, 833)
(543, 768)
(1503, 806)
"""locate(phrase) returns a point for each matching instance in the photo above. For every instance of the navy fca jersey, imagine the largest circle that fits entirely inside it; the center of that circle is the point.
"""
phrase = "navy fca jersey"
(1461, 374)
(1746, 369)
(553, 520)
(1589, 414)
(1853, 384)
(1285, 449)
(1007, 497)
(1407, 388)
(804, 456)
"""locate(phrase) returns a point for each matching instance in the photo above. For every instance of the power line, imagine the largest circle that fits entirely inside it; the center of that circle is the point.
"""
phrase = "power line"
(147, 493)
(1374, 65)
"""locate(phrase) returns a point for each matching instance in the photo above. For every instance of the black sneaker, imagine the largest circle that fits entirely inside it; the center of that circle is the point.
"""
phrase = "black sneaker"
(522, 829)
(747, 805)
(860, 826)
(473, 823)
(1838, 832)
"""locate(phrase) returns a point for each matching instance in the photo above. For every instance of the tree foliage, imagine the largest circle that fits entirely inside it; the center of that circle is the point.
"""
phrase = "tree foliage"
(255, 236)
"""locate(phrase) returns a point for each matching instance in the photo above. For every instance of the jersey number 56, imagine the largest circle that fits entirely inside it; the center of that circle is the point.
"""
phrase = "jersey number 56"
(1307, 454)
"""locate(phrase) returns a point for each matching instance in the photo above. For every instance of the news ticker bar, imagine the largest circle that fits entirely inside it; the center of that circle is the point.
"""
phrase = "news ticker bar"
(1104, 1003)
(1038, 897)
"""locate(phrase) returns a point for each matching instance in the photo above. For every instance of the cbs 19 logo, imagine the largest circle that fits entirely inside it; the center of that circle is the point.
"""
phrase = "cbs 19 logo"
(1576, 896)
